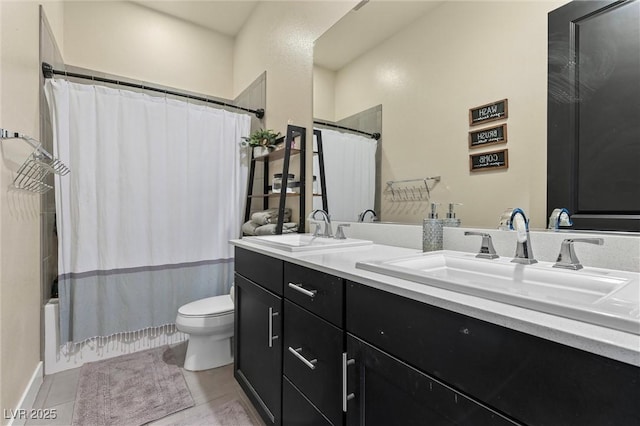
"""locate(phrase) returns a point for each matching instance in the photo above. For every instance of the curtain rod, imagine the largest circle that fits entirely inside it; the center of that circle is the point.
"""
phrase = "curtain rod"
(49, 72)
(375, 136)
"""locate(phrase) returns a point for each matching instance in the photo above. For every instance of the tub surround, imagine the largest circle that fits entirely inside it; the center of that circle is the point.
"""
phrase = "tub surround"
(614, 344)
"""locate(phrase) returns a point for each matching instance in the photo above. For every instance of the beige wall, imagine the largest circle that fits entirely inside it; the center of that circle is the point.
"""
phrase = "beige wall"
(278, 38)
(324, 102)
(429, 75)
(129, 40)
(19, 213)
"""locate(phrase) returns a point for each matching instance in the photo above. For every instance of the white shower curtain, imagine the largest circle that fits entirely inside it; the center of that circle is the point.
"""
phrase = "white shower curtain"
(157, 189)
(350, 173)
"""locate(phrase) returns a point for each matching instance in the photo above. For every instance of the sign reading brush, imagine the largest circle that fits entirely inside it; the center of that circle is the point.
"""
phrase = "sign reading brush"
(488, 136)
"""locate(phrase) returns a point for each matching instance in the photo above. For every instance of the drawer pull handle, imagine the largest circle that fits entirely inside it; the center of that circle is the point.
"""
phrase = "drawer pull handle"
(308, 363)
(271, 336)
(298, 287)
(346, 396)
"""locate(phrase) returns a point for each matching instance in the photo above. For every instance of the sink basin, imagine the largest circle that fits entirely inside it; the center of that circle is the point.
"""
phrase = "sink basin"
(605, 297)
(305, 242)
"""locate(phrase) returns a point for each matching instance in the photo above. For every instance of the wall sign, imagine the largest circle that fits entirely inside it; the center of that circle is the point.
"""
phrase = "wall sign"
(489, 160)
(489, 112)
(488, 136)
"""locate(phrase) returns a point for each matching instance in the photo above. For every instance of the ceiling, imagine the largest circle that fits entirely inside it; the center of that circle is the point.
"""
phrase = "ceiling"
(361, 30)
(226, 17)
(352, 36)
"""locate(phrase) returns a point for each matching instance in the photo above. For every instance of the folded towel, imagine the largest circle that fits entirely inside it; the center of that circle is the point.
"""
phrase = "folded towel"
(270, 216)
(249, 228)
(270, 229)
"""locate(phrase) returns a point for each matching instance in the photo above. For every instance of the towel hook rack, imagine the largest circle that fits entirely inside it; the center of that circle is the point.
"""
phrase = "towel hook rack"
(32, 173)
(411, 193)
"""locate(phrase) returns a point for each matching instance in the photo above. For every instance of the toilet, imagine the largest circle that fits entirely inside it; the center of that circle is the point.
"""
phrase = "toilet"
(209, 324)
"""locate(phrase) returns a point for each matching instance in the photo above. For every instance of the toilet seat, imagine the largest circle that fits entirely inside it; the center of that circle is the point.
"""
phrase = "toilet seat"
(210, 307)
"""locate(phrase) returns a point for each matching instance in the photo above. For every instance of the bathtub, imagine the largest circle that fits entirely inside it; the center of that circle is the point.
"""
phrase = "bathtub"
(59, 357)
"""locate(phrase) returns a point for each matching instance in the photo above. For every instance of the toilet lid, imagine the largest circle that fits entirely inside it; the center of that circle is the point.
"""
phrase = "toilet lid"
(209, 307)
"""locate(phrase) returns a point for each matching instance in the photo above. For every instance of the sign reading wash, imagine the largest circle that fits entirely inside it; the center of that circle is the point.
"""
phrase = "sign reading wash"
(489, 112)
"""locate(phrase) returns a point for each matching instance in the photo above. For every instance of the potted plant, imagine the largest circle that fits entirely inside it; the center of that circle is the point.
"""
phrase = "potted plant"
(262, 142)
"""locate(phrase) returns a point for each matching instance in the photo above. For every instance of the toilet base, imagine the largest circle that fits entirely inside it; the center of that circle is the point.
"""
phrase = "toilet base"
(204, 352)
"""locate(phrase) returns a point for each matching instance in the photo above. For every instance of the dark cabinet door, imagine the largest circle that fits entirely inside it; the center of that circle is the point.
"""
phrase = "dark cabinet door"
(593, 107)
(389, 392)
(258, 347)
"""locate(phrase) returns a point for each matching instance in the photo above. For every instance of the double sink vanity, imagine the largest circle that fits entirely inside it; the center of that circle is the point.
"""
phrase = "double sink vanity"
(333, 332)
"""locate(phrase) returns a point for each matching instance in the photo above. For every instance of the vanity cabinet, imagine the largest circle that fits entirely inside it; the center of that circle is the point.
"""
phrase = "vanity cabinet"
(310, 344)
(313, 347)
(421, 351)
(258, 331)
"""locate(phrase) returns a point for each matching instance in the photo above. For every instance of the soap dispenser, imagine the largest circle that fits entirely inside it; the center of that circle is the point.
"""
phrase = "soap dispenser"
(432, 230)
(451, 219)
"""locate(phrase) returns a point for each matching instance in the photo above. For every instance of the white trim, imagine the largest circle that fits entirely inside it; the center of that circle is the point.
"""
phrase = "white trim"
(28, 397)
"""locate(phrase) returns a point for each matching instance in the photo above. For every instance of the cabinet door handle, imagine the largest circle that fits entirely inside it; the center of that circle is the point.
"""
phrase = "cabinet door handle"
(345, 396)
(298, 287)
(309, 363)
(271, 336)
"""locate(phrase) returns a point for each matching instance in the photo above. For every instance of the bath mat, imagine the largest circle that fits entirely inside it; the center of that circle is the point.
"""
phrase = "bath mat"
(231, 413)
(131, 389)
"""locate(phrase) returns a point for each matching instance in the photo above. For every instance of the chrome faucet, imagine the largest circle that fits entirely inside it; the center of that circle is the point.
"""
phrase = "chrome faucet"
(524, 252)
(362, 215)
(486, 249)
(558, 218)
(567, 258)
(328, 232)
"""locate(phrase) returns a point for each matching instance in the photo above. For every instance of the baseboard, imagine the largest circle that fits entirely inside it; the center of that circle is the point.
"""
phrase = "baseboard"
(18, 417)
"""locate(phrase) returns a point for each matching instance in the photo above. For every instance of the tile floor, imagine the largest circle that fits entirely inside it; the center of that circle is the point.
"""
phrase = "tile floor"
(209, 389)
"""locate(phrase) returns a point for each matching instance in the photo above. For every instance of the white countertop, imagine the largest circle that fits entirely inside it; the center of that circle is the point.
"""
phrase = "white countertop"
(618, 345)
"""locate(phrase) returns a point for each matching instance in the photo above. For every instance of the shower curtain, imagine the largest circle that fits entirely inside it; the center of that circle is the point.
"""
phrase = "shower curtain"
(156, 190)
(350, 173)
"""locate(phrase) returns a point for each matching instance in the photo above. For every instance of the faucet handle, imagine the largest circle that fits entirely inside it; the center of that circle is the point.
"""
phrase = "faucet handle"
(567, 258)
(486, 249)
(340, 232)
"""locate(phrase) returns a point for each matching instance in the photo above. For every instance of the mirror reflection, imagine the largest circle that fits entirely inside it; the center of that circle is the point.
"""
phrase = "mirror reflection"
(426, 64)
(345, 165)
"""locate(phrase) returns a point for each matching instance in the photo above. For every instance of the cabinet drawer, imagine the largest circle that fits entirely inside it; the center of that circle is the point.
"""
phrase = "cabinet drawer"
(533, 380)
(389, 392)
(316, 291)
(298, 410)
(312, 361)
(261, 269)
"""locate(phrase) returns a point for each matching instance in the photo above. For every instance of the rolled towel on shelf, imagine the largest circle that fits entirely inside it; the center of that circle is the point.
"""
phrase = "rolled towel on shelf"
(270, 229)
(249, 228)
(270, 216)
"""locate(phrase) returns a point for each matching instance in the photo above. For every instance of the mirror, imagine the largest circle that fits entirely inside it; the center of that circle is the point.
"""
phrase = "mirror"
(427, 64)
(344, 167)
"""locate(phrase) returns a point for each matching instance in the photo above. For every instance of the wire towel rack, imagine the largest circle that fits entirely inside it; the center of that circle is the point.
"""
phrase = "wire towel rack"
(32, 173)
(402, 190)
